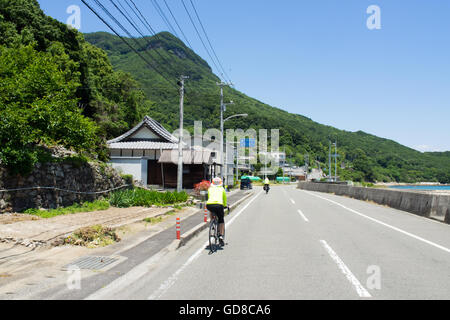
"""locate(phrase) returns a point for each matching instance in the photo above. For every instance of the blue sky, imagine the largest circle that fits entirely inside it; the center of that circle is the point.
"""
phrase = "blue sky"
(319, 59)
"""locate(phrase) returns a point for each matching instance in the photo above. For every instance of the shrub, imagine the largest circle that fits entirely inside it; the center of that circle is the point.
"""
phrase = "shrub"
(202, 186)
(145, 198)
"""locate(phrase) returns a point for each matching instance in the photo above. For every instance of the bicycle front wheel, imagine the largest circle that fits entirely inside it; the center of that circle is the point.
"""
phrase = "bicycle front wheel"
(213, 235)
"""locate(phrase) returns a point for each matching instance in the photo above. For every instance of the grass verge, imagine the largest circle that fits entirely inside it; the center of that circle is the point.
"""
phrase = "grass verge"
(146, 198)
(120, 199)
(98, 205)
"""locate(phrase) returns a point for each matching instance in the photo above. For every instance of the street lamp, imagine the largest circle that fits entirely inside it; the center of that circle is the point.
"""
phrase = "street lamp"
(236, 116)
(244, 115)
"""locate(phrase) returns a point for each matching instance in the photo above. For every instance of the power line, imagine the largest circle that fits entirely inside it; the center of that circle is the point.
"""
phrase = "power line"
(201, 38)
(133, 24)
(209, 41)
(181, 30)
(145, 22)
(167, 66)
(149, 27)
(124, 40)
(125, 30)
(164, 17)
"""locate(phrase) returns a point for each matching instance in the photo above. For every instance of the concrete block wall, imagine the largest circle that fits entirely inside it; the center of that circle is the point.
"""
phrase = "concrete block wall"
(422, 204)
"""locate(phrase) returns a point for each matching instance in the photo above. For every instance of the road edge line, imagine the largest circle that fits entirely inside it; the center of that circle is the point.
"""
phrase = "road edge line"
(362, 292)
(438, 246)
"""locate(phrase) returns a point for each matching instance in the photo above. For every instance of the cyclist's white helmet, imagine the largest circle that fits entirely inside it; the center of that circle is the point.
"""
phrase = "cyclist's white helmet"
(217, 181)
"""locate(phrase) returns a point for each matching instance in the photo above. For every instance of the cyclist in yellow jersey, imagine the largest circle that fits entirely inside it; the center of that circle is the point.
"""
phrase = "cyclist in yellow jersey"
(217, 201)
(266, 185)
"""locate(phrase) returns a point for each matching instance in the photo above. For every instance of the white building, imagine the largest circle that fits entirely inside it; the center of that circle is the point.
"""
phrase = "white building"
(150, 153)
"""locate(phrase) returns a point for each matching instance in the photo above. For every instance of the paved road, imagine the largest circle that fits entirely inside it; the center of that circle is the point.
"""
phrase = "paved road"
(293, 244)
(136, 256)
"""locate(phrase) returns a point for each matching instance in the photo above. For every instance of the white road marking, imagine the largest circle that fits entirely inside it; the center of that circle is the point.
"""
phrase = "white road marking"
(362, 292)
(173, 278)
(383, 223)
(293, 202)
(302, 215)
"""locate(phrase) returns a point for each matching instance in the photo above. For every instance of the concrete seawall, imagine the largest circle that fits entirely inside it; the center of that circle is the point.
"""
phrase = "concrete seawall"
(422, 204)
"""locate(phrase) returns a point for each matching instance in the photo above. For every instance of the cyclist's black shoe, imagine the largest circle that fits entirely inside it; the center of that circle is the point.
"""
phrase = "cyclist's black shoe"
(221, 242)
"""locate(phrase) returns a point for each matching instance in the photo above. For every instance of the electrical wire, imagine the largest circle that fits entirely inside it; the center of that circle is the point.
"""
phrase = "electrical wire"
(164, 17)
(209, 41)
(124, 40)
(145, 22)
(133, 24)
(176, 21)
(201, 38)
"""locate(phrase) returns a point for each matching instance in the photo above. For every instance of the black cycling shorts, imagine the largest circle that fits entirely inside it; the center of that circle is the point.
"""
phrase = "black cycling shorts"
(218, 210)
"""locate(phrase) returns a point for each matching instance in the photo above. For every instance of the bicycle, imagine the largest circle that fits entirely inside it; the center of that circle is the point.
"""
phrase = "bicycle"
(214, 232)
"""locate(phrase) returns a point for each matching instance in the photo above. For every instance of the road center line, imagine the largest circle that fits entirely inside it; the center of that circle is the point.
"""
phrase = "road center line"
(302, 215)
(362, 292)
(383, 223)
(174, 277)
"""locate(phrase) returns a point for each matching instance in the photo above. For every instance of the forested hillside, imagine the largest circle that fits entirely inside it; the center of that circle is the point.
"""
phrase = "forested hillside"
(60, 87)
(363, 156)
(57, 89)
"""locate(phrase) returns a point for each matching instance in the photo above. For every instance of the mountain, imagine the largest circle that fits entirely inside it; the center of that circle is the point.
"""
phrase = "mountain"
(364, 156)
(60, 87)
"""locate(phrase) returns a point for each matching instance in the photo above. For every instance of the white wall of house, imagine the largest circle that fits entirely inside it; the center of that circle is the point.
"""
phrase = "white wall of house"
(145, 134)
(134, 166)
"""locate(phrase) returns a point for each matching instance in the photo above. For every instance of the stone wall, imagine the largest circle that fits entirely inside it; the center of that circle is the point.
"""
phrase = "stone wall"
(80, 177)
(423, 204)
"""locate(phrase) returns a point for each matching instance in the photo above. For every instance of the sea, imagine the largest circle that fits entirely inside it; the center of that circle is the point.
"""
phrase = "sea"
(430, 188)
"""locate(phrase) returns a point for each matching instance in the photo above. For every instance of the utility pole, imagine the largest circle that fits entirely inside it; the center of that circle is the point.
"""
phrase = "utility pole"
(237, 163)
(292, 165)
(284, 150)
(222, 110)
(329, 164)
(335, 161)
(306, 166)
(180, 142)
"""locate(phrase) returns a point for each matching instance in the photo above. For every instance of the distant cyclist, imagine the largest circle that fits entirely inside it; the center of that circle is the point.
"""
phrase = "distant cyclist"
(217, 201)
(266, 185)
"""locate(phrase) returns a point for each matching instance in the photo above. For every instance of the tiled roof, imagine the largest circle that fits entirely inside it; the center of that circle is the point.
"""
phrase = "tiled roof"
(143, 145)
(153, 125)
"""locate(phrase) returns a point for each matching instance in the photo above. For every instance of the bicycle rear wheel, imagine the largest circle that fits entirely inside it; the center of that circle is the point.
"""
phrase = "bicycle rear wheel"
(213, 235)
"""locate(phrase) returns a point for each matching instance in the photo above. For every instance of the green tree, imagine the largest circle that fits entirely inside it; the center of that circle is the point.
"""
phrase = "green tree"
(38, 107)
